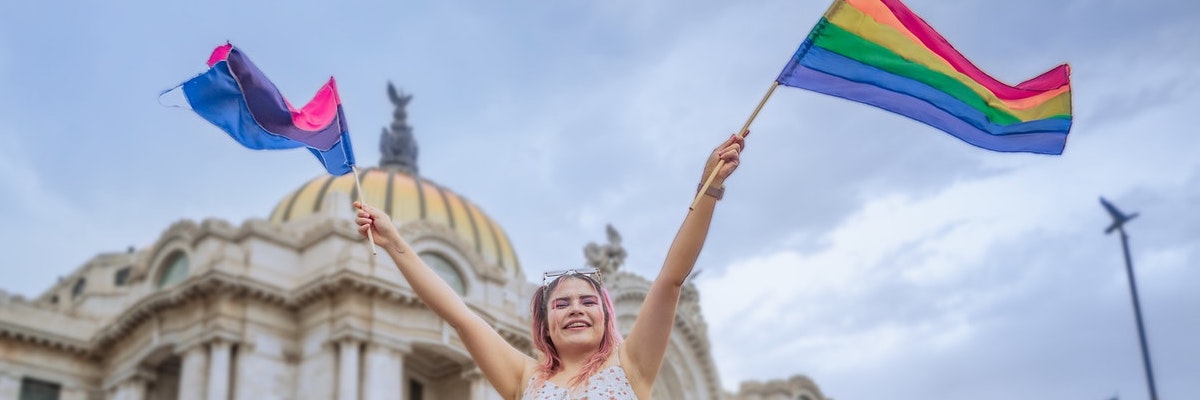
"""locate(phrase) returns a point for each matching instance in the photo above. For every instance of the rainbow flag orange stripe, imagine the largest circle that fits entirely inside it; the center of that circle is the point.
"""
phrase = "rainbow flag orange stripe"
(878, 52)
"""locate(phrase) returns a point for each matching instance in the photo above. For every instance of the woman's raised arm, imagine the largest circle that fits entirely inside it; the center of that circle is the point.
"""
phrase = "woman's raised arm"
(647, 342)
(500, 362)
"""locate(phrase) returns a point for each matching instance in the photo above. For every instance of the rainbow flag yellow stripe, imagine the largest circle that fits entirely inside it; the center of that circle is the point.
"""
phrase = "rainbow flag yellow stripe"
(879, 52)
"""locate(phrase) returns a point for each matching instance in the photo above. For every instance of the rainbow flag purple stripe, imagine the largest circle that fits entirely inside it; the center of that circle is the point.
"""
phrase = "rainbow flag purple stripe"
(878, 52)
(237, 97)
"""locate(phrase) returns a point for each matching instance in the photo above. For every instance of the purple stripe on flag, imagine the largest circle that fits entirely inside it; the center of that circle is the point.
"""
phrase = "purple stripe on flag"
(829, 62)
(797, 75)
(338, 160)
(216, 97)
(273, 113)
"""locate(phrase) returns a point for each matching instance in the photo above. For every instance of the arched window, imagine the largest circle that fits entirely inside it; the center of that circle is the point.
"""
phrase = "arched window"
(122, 276)
(78, 288)
(446, 270)
(174, 270)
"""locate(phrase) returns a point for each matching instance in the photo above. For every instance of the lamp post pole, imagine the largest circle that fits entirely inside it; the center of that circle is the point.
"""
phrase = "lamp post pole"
(1119, 220)
(1137, 313)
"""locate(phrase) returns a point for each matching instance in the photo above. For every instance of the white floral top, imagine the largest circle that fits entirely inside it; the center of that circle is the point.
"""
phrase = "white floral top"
(608, 384)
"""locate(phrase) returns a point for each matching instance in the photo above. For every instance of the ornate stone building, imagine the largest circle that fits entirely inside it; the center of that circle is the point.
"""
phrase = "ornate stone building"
(798, 387)
(296, 307)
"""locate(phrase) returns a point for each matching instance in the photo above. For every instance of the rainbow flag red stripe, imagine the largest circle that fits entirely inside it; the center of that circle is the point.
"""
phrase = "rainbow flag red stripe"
(878, 52)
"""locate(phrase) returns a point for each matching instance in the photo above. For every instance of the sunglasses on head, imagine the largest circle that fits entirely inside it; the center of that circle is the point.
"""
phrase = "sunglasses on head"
(551, 276)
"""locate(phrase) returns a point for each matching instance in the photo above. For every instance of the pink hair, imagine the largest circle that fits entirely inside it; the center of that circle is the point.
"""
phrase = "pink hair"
(551, 363)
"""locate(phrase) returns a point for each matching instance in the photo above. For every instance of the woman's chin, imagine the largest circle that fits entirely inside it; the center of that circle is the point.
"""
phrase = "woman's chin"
(577, 341)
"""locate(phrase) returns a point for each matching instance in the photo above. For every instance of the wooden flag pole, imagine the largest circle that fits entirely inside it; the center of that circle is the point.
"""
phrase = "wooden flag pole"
(742, 133)
(361, 198)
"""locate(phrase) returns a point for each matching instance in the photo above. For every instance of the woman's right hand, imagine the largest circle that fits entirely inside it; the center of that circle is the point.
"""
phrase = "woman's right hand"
(378, 222)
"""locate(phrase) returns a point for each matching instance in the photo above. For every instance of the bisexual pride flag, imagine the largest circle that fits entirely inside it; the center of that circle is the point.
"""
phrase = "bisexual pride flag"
(880, 53)
(237, 97)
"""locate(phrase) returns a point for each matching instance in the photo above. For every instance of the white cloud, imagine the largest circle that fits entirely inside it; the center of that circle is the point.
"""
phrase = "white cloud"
(4, 56)
(935, 253)
(37, 218)
(34, 196)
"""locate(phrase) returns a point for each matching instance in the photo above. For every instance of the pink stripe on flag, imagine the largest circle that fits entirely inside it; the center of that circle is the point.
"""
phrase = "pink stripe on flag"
(219, 54)
(319, 111)
(1052, 79)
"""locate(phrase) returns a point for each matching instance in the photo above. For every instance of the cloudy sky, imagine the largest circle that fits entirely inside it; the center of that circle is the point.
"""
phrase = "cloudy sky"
(878, 256)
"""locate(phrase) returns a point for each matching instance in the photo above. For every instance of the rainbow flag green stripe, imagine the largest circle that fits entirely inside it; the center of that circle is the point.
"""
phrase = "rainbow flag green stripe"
(838, 40)
(907, 47)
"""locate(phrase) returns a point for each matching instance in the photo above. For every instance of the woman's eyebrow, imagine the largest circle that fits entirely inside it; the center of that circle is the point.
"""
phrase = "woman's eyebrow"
(582, 296)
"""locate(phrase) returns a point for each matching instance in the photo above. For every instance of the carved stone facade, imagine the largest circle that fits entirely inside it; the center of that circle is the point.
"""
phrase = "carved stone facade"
(299, 310)
(296, 307)
(798, 387)
(264, 311)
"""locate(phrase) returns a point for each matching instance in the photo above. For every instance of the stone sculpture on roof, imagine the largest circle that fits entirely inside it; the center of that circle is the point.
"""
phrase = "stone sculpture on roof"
(397, 146)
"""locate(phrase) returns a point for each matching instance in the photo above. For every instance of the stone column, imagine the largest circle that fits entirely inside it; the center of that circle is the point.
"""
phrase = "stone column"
(133, 388)
(349, 353)
(383, 374)
(71, 393)
(192, 373)
(10, 385)
(218, 370)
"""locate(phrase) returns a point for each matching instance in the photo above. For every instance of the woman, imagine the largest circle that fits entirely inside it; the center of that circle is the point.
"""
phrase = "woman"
(583, 354)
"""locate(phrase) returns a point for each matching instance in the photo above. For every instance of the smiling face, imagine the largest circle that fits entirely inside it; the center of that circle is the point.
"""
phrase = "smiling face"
(575, 315)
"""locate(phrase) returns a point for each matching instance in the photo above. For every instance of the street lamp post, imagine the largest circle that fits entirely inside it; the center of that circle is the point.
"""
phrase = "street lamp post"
(1119, 220)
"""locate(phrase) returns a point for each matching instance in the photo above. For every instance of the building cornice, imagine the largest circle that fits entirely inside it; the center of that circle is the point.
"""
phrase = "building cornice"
(44, 338)
(425, 230)
(96, 340)
(217, 282)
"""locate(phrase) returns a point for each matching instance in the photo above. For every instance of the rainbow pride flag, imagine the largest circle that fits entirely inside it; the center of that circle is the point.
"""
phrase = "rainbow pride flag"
(878, 52)
(237, 97)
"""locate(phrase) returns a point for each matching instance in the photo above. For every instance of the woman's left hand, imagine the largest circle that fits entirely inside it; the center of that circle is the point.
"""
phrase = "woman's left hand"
(729, 151)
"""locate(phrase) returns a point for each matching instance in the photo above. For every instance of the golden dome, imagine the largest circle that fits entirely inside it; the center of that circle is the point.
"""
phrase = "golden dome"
(408, 198)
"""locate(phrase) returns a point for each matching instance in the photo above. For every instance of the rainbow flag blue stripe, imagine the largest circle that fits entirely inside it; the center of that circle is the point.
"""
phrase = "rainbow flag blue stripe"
(878, 52)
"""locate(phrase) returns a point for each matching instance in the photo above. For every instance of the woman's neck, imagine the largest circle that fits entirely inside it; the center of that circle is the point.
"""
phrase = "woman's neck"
(573, 361)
